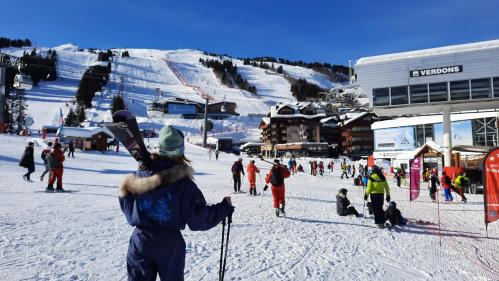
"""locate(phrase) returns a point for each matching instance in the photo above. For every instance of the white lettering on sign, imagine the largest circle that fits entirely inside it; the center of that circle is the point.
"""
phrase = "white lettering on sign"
(436, 71)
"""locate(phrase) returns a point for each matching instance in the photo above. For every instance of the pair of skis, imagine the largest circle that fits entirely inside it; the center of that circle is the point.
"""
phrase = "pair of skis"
(125, 128)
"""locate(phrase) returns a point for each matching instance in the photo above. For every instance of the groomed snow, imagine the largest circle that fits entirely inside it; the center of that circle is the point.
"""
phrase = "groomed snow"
(84, 236)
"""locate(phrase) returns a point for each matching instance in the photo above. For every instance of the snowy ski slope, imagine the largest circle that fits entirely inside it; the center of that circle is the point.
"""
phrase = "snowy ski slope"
(84, 236)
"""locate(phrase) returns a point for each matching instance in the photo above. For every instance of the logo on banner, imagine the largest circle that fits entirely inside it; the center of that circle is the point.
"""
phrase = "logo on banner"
(405, 141)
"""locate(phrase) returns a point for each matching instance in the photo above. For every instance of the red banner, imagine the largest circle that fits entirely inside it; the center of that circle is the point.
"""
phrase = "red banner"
(491, 186)
(370, 161)
(414, 179)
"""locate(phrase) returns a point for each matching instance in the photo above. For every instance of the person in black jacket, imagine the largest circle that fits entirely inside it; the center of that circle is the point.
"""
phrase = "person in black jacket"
(237, 169)
(393, 215)
(342, 204)
(28, 161)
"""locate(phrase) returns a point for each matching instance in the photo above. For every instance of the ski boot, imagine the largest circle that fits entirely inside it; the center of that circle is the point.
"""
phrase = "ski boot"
(277, 212)
(381, 225)
(282, 210)
(59, 189)
(25, 178)
(49, 189)
(41, 178)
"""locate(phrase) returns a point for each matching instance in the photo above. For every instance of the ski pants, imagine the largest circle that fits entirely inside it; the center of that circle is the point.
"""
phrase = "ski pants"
(433, 193)
(156, 251)
(56, 174)
(377, 204)
(344, 173)
(31, 169)
(278, 194)
(47, 170)
(350, 211)
(448, 195)
(398, 181)
(237, 183)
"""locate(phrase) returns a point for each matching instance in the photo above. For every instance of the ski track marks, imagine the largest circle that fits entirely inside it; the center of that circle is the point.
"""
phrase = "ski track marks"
(84, 236)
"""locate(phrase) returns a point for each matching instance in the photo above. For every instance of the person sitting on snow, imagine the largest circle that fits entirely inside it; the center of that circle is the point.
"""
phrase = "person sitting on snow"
(342, 204)
(393, 215)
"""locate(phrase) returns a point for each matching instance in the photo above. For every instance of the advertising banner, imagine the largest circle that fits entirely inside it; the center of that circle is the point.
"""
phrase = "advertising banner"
(491, 186)
(178, 108)
(415, 173)
(394, 139)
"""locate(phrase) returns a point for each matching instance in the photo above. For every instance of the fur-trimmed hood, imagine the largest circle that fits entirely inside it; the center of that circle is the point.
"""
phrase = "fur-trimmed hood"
(139, 185)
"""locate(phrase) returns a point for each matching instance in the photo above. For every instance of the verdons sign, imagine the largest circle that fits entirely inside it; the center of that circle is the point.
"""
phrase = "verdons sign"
(436, 71)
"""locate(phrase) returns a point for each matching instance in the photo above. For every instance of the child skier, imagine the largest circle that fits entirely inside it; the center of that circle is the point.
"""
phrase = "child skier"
(159, 202)
(276, 178)
(433, 185)
(393, 215)
(252, 171)
(44, 154)
(342, 204)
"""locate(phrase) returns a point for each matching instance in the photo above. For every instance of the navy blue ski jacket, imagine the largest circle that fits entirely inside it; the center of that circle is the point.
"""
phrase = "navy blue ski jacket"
(159, 202)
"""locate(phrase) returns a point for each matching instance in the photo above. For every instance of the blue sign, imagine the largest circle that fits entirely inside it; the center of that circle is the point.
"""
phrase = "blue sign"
(179, 108)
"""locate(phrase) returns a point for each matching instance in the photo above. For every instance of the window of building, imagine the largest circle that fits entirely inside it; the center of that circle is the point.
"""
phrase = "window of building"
(484, 131)
(399, 95)
(496, 87)
(480, 88)
(460, 90)
(438, 92)
(424, 133)
(419, 93)
(381, 97)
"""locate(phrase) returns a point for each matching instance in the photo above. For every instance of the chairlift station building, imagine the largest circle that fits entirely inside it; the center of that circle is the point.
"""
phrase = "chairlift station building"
(439, 81)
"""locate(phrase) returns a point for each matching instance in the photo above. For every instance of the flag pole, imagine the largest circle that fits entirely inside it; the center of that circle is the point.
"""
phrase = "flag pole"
(438, 213)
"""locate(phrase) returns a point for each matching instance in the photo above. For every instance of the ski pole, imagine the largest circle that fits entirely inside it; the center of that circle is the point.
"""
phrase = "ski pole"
(221, 251)
(229, 222)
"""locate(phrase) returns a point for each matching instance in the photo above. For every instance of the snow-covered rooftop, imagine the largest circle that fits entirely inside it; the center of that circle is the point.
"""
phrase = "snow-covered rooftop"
(86, 132)
(353, 116)
(484, 45)
(431, 119)
(296, 107)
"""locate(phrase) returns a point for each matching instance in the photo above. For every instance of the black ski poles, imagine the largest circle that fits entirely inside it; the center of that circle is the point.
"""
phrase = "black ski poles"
(222, 264)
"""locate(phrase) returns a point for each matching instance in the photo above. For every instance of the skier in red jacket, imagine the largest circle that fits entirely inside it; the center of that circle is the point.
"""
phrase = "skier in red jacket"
(276, 178)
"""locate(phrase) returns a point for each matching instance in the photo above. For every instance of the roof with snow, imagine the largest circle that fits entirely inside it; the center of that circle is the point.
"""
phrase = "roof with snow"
(431, 119)
(87, 132)
(295, 110)
(353, 116)
(484, 45)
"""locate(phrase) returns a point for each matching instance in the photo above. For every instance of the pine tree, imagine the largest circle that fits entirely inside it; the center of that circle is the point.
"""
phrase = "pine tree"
(280, 70)
(70, 120)
(80, 113)
(117, 104)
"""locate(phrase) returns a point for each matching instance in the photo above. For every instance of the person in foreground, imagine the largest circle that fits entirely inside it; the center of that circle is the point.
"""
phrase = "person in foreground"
(159, 202)
(342, 204)
(376, 188)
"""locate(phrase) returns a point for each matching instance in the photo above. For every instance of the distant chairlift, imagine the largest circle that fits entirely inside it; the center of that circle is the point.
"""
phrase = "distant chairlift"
(23, 82)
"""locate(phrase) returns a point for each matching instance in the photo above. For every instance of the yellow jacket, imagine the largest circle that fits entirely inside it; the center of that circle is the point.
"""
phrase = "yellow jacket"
(377, 186)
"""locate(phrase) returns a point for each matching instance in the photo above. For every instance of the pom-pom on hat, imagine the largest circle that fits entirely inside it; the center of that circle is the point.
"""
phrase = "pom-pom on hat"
(170, 142)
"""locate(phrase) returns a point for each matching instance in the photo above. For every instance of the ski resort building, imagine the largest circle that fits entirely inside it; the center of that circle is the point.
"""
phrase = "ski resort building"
(176, 107)
(356, 133)
(433, 83)
(297, 124)
(88, 138)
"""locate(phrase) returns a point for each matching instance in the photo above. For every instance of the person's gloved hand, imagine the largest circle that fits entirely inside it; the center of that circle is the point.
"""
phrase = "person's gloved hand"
(388, 198)
(265, 188)
(366, 196)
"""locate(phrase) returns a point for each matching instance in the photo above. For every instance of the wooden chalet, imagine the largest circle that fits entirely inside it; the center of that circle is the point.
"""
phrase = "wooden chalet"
(356, 133)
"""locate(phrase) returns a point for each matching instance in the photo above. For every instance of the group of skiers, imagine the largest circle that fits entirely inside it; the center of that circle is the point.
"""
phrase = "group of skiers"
(53, 158)
(458, 185)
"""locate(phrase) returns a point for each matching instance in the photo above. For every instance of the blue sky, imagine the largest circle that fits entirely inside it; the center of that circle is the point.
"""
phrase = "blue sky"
(330, 31)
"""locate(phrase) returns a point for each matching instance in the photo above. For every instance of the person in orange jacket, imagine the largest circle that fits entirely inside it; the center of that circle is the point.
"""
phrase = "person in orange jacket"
(251, 169)
(276, 178)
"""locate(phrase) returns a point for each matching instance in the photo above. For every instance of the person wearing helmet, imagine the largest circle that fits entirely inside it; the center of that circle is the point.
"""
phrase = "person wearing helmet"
(376, 189)
(393, 215)
(159, 202)
(342, 204)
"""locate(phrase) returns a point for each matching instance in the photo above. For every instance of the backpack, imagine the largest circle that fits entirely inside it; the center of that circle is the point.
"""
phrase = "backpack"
(276, 178)
(53, 161)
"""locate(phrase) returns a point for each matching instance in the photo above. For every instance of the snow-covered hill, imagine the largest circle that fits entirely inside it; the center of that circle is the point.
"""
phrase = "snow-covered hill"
(146, 73)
